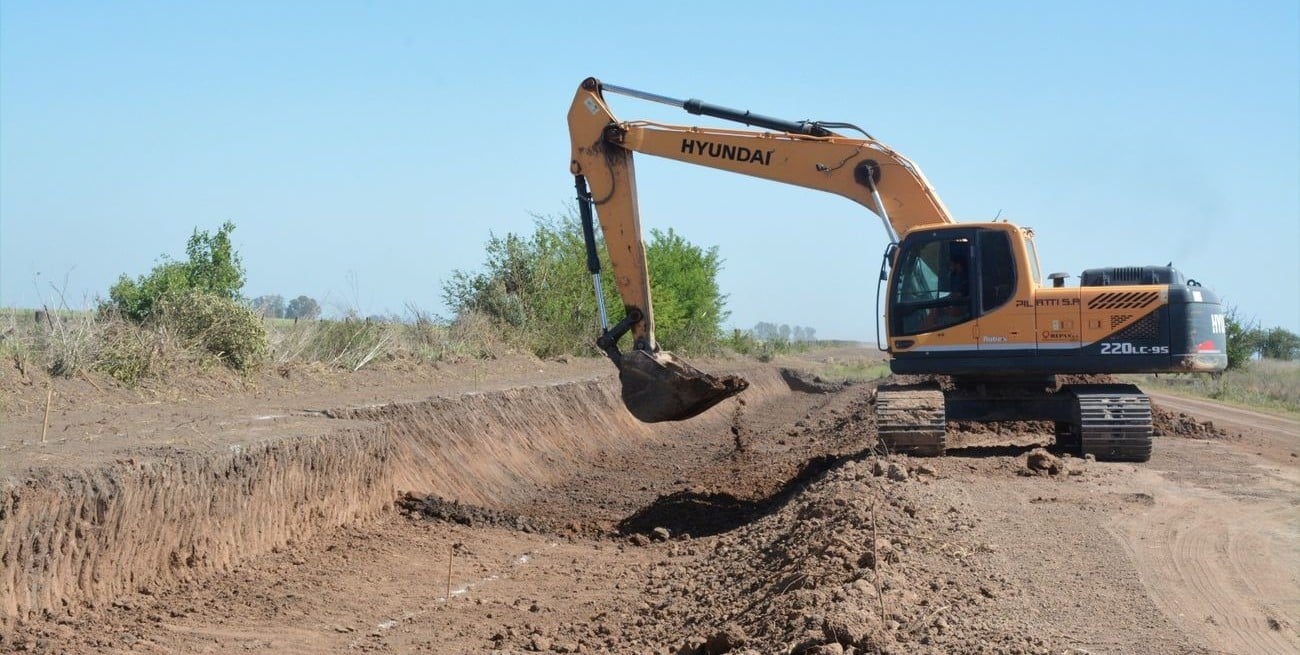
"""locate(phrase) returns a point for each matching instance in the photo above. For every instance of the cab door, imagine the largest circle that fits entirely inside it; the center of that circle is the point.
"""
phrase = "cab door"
(1003, 303)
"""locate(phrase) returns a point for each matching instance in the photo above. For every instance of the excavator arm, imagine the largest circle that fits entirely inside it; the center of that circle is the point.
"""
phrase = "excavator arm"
(658, 386)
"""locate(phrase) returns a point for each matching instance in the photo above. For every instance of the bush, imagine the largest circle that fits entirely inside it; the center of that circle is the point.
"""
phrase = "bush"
(127, 352)
(689, 308)
(1243, 339)
(538, 291)
(220, 326)
(212, 266)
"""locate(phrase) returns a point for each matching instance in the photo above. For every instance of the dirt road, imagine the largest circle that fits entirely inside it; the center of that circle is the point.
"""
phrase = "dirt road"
(1272, 436)
(778, 531)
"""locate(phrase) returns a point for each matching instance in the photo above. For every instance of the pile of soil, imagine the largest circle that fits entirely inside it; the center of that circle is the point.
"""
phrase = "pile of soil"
(858, 562)
(1179, 424)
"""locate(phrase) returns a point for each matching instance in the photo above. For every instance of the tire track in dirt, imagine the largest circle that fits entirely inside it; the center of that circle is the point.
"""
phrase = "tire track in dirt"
(1218, 549)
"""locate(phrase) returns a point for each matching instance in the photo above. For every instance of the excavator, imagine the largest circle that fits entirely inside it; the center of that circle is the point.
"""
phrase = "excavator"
(964, 303)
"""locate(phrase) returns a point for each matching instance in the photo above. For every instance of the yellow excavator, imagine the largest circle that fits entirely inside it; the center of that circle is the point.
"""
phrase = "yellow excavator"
(963, 300)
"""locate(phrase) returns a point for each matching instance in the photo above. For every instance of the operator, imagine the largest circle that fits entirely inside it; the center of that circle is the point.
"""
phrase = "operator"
(957, 309)
(958, 275)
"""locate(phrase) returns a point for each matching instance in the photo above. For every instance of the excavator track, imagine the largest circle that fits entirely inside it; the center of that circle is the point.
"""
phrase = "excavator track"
(911, 420)
(1111, 422)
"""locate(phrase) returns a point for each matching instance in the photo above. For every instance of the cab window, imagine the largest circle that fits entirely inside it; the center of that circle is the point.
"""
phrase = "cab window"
(997, 270)
(932, 289)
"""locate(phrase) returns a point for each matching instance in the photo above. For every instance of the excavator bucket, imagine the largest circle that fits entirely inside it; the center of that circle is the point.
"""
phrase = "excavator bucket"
(661, 387)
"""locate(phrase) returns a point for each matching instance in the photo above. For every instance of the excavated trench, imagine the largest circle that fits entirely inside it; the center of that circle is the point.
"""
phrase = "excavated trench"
(73, 539)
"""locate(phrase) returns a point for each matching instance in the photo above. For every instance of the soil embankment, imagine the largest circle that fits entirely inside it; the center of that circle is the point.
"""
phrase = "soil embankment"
(545, 520)
(158, 514)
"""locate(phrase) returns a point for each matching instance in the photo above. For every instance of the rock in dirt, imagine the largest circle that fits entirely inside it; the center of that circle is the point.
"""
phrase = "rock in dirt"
(848, 627)
(660, 534)
(896, 472)
(731, 637)
(1044, 463)
(832, 648)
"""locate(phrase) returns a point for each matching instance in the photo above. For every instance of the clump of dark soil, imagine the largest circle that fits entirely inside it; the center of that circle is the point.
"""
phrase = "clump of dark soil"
(1178, 424)
(436, 508)
(804, 382)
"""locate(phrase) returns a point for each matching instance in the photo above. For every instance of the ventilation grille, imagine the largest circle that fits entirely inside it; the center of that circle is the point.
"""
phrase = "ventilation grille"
(1125, 300)
(1145, 329)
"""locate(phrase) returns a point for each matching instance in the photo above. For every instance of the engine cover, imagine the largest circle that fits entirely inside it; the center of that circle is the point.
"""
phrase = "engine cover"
(1129, 275)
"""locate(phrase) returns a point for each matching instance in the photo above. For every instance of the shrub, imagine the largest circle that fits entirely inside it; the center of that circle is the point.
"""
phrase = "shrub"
(212, 266)
(127, 352)
(1243, 339)
(220, 326)
(689, 308)
(538, 291)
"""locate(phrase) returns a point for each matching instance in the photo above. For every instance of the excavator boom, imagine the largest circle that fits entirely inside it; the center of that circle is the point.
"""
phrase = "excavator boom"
(657, 386)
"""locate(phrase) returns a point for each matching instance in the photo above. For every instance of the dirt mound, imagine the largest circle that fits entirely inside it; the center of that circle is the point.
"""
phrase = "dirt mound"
(856, 561)
(1179, 424)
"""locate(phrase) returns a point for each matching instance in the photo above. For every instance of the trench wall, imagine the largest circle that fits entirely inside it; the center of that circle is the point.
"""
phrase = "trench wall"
(72, 539)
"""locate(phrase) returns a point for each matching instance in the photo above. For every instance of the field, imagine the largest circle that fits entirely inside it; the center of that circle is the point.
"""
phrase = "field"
(509, 504)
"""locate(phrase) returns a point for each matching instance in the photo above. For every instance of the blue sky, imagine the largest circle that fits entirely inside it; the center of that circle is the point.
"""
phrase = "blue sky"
(366, 150)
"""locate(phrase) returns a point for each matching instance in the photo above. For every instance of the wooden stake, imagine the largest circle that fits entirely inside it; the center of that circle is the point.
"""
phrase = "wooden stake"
(450, 548)
(49, 398)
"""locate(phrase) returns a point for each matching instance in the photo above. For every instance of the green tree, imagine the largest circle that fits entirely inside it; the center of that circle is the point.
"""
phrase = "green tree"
(302, 307)
(689, 307)
(1279, 343)
(212, 266)
(537, 289)
(270, 306)
(1243, 339)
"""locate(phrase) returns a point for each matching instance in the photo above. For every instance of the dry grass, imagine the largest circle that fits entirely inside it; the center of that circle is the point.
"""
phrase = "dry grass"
(1265, 383)
(67, 342)
(353, 343)
(854, 370)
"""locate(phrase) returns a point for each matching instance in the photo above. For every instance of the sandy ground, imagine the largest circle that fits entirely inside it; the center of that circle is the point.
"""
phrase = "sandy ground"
(784, 533)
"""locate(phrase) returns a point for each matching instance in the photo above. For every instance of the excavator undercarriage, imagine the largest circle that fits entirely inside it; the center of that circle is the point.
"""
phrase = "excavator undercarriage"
(1107, 421)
